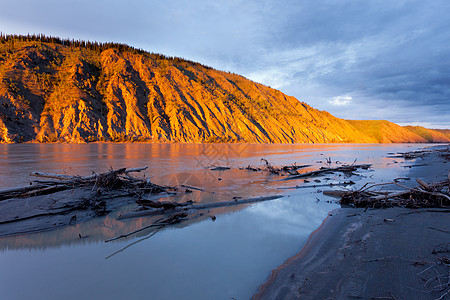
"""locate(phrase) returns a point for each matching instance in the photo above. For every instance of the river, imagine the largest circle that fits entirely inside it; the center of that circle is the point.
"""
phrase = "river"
(227, 258)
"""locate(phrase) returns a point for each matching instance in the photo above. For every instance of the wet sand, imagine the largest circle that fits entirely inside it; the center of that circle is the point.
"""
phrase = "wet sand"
(359, 255)
(394, 253)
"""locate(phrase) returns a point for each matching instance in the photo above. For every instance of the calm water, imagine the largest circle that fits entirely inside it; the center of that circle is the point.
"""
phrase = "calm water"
(225, 259)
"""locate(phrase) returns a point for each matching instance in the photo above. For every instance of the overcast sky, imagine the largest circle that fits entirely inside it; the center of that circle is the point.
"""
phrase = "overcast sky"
(360, 59)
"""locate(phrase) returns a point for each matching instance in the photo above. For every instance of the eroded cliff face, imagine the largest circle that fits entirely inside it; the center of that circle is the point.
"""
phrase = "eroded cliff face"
(56, 93)
(431, 135)
(387, 132)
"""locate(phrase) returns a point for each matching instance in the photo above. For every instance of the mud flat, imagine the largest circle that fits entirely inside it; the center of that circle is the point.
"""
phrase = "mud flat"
(360, 253)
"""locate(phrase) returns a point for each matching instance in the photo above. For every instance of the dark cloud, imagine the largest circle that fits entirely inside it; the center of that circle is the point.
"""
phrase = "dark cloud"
(390, 60)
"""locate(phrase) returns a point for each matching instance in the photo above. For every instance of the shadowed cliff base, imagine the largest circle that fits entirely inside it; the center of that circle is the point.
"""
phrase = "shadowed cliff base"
(54, 90)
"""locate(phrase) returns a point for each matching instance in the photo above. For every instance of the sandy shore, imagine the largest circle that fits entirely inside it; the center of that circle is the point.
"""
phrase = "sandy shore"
(359, 255)
(394, 253)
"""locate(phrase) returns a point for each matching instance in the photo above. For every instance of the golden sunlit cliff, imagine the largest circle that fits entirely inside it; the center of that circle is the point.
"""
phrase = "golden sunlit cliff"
(386, 132)
(54, 90)
(431, 135)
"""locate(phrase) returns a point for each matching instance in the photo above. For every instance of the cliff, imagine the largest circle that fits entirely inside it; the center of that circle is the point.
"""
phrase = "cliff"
(431, 135)
(54, 90)
(387, 132)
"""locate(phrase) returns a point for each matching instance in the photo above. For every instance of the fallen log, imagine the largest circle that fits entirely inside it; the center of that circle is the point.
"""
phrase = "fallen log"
(192, 187)
(74, 177)
(32, 190)
(60, 176)
(157, 211)
(45, 190)
(161, 204)
(19, 190)
(317, 185)
(219, 168)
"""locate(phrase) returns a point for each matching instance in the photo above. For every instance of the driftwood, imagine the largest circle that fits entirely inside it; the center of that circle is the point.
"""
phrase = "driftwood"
(184, 207)
(424, 185)
(411, 154)
(268, 167)
(21, 189)
(146, 203)
(219, 168)
(443, 152)
(425, 195)
(110, 180)
(317, 185)
(95, 191)
(78, 178)
(192, 187)
(32, 190)
(344, 169)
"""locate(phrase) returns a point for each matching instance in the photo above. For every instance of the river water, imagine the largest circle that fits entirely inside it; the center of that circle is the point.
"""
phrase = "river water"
(203, 259)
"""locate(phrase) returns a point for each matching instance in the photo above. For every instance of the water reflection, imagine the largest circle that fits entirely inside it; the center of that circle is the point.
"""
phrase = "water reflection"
(200, 259)
(184, 164)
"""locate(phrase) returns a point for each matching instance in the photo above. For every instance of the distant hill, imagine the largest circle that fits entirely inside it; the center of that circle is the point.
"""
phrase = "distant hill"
(54, 90)
(445, 132)
(431, 135)
(387, 132)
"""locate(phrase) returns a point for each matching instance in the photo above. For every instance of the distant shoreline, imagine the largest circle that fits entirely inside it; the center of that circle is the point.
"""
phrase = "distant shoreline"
(218, 143)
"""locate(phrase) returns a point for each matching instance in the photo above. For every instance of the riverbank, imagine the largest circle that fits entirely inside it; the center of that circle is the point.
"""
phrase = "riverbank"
(378, 254)
(358, 253)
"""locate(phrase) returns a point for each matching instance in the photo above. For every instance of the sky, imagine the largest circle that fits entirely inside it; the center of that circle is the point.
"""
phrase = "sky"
(357, 59)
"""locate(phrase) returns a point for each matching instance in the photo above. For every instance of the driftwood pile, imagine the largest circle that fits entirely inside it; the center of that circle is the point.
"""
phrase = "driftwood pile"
(443, 152)
(278, 170)
(346, 169)
(424, 195)
(412, 154)
(291, 171)
(115, 179)
(104, 186)
(99, 189)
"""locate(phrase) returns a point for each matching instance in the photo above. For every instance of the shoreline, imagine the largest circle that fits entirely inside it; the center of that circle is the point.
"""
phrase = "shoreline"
(364, 255)
(207, 143)
(311, 243)
(360, 253)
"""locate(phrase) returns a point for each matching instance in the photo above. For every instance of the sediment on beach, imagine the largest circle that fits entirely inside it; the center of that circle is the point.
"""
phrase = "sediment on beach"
(395, 253)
